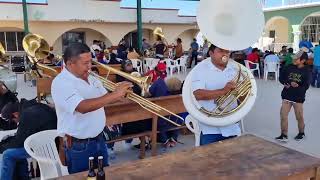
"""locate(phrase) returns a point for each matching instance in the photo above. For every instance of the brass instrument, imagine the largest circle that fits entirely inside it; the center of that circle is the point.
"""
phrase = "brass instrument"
(37, 48)
(240, 94)
(3, 57)
(7, 77)
(143, 82)
(144, 103)
(227, 30)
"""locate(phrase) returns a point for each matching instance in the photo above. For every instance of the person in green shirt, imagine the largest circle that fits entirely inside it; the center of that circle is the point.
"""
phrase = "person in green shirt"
(288, 58)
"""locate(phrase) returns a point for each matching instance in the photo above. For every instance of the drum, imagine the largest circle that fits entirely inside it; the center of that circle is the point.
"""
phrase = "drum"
(9, 78)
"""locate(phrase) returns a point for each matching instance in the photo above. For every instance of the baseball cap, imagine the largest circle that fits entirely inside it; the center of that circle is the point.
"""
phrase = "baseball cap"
(161, 66)
(8, 110)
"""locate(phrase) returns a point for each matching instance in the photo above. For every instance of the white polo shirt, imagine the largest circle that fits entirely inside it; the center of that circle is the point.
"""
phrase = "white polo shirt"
(207, 76)
(67, 92)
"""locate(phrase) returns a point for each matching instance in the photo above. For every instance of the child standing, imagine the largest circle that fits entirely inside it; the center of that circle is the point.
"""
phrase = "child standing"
(296, 81)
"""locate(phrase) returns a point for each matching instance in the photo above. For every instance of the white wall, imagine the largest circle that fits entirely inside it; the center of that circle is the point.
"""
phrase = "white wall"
(90, 35)
(88, 10)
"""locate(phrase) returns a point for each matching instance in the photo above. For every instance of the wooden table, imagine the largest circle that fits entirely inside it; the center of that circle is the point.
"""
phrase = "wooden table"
(247, 157)
(128, 111)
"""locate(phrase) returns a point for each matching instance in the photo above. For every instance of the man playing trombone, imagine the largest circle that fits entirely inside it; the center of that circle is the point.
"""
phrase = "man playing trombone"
(79, 99)
(211, 79)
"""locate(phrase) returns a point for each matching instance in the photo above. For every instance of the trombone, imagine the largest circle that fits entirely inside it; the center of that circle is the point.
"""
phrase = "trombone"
(144, 103)
(37, 48)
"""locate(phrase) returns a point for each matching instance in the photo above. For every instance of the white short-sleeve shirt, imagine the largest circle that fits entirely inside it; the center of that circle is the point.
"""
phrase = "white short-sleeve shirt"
(207, 76)
(67, 92)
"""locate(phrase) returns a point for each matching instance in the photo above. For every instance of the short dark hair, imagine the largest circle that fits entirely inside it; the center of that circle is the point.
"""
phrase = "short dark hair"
(255, 50)
(9, 109)
(304, 56)
(290, 50)
(211, 48)
(194, 39)
(131, 49)
(95, 41)
(179, 40)
(143, 39)
(74, 50)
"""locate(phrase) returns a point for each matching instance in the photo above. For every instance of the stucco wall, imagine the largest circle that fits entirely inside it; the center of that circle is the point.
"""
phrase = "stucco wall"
(281, 27)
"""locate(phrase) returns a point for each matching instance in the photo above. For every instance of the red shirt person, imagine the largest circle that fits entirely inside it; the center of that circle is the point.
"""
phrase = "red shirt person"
(159, 70)
(254, 57)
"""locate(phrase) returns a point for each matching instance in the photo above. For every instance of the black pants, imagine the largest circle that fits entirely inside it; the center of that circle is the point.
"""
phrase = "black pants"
(194, 57)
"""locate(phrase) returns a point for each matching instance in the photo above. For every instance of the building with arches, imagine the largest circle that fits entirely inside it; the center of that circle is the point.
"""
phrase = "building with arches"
(61, 22)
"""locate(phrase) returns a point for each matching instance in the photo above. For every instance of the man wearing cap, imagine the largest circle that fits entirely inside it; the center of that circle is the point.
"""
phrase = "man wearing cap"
(31, 117)
(296, 81)
(79, 100)
(159, 71)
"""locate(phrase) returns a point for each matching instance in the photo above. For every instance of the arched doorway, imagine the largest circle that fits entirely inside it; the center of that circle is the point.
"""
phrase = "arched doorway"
(84, 35)
(188, 35)
(276, 34)
(310, 28)
(131, 38)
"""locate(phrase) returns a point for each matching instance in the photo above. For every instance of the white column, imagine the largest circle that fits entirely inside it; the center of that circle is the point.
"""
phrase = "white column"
(296, 40)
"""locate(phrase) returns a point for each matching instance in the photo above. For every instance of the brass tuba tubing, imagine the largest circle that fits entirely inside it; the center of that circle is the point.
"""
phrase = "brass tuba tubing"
(144, 103)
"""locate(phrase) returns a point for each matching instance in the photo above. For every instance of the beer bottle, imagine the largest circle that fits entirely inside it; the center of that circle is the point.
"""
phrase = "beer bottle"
(100, 174)
(32, 175)
(38, 170)
(91, 173)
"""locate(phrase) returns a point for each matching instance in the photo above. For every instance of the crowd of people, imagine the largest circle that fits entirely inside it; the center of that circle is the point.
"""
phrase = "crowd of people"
(80, 104)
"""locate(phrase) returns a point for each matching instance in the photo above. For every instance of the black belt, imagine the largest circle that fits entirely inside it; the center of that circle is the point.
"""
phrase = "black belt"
(73, 139)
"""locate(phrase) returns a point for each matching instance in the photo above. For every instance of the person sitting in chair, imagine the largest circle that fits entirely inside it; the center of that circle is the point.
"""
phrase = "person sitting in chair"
(31, 117)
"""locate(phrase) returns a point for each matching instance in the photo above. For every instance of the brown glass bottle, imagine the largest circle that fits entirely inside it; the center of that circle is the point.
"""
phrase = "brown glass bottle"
(91, 174)
(100, 175)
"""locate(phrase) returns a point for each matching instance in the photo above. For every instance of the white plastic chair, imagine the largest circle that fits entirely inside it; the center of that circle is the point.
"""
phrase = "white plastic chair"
(182, 64)
(195, 128)
(248, 63)
(171, 65)
(271, 67)
(147, 64)
(41, 146)
(137, 64)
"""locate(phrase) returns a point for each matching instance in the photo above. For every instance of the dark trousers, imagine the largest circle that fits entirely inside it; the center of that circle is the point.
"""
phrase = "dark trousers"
(212, 138)
(77, 156)
(194, 57)
(316, 76)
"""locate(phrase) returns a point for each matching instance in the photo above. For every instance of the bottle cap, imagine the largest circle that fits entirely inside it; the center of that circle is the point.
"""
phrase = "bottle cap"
(100, 157)
(91, 158)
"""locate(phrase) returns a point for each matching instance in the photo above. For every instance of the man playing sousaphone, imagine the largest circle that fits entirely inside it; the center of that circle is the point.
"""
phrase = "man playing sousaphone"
(211, 79)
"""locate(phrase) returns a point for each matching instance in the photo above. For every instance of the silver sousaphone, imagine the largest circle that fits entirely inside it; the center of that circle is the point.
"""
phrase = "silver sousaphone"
(232, 25)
